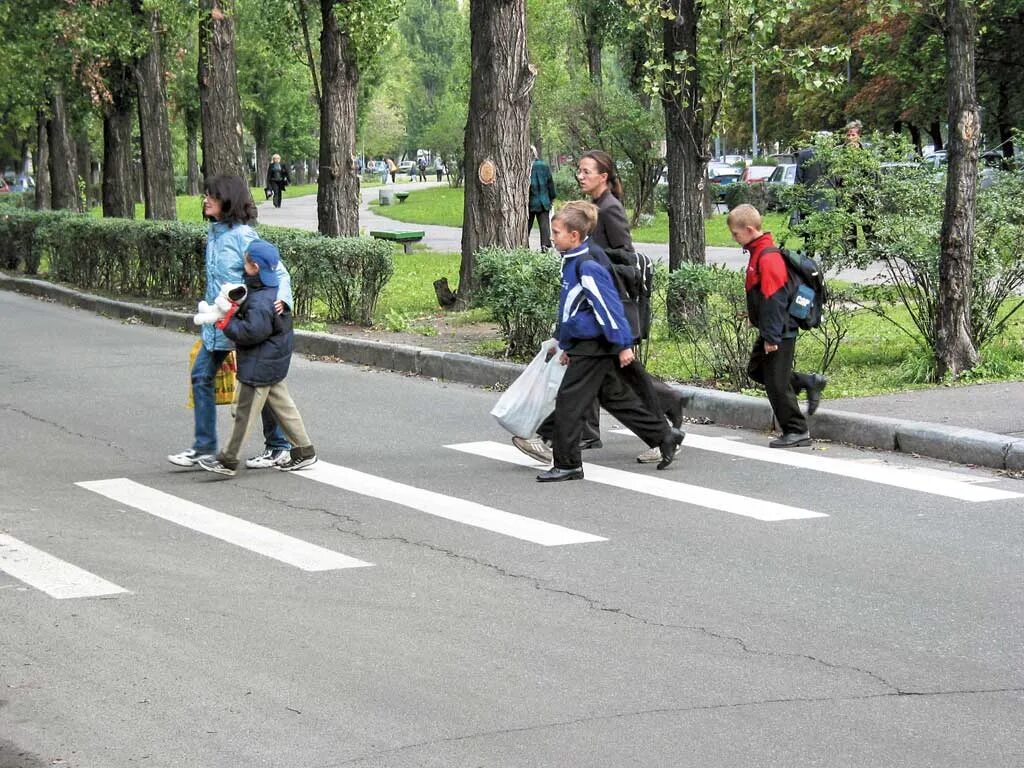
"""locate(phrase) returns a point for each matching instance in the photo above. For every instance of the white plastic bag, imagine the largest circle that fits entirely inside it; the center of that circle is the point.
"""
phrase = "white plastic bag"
(531, 397)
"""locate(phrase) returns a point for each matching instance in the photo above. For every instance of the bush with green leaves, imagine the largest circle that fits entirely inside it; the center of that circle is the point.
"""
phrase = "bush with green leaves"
(740, 192)
(344, 276)
(566, 186)
(707, 310)
(520, 288)
(874, 204)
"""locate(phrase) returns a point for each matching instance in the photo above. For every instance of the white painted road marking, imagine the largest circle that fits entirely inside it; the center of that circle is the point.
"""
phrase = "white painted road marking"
(907, 478)
(655, 486)
(256, 538)
(47, 573)
(448, 507)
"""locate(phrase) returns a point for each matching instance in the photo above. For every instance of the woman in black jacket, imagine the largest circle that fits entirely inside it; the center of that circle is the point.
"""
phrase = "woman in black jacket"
(599, 179)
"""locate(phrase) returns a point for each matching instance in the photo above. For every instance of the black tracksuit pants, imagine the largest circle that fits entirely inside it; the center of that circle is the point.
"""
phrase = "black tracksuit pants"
(658, 396)
(781, 382)
(589, 380)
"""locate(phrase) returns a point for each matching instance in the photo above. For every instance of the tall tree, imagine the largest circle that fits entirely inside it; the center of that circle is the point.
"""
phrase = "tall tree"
(956, 352)
(118, 113)
(700, 47)
(497, 134)
(154, 128)
(350, 39)
(428, 28)
(220, 106)
(63, 159)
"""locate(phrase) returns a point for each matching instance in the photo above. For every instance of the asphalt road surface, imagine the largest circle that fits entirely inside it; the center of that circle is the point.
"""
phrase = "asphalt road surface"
(409, 603)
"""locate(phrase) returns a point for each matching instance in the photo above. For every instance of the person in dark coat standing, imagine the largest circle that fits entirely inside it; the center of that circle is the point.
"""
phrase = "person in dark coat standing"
(542, 192)
(264, 342)
(278, 179)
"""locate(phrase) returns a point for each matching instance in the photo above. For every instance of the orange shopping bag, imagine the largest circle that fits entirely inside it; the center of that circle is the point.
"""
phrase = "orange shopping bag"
(223, 383)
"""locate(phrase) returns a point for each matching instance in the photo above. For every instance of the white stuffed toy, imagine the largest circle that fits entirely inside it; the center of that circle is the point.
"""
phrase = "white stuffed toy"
(231, 295)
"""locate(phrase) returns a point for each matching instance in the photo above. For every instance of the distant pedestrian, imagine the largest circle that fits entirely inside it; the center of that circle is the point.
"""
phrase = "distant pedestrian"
(542, 193)
(392, 168)
(439, 167)
(382, 170)
(265, 340)
(278, 179)
(421, 166)
(769, 291)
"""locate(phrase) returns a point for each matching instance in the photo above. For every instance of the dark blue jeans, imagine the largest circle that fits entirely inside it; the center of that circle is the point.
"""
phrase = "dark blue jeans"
(203, 371)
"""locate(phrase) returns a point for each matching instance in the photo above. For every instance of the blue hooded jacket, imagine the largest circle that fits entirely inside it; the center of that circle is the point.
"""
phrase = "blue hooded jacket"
(225, 258)
(264, 339)
(589, 307)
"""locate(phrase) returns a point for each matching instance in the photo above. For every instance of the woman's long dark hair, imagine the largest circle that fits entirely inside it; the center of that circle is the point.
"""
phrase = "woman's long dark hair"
(236, 205)
(605, 164)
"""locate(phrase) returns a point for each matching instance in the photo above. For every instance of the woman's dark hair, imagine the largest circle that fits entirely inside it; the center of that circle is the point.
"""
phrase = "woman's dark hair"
(236, 205)
(605, 164)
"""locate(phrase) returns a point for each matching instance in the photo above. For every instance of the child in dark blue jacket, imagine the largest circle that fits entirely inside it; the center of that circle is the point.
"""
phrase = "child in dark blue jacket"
(596, 342)
(264, 341)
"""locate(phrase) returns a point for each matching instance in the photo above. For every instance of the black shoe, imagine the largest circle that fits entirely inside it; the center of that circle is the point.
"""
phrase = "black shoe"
(556, 475)
(669, 446)
(675, 412)
(591, 442)
(791, 440)
(814, 388)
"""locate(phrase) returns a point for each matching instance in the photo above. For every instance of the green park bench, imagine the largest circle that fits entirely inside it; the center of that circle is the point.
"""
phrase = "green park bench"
(405, 237)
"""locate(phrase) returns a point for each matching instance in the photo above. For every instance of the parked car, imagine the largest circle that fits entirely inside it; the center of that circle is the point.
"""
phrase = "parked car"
(782, 177)
(757, 174)
(722, 181)
(783, 174)
(732, 159)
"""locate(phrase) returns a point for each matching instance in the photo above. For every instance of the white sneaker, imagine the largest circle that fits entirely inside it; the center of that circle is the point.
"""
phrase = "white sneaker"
(535, 448)
(187, 458)
(269, 458)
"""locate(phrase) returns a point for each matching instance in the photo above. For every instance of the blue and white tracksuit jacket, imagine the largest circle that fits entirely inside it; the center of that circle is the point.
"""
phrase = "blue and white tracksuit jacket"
(225, 258)
(589, 307)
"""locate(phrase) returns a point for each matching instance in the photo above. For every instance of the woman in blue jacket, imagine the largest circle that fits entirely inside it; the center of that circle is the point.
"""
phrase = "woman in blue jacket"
(230, 209)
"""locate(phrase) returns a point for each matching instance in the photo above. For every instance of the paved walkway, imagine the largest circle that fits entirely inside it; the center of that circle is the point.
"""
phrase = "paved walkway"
(300, 212)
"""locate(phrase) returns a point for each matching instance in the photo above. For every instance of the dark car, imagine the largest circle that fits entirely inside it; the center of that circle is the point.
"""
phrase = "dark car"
(721, 181)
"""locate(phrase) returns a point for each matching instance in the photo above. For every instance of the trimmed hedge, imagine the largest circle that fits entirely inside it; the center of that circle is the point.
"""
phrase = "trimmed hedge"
(333, 279)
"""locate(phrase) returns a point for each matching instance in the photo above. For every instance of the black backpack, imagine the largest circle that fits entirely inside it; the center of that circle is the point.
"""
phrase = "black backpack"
(633, 275)
(809, 293)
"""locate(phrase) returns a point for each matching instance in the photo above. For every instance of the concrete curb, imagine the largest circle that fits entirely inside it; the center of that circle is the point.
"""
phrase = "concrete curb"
(937, 441)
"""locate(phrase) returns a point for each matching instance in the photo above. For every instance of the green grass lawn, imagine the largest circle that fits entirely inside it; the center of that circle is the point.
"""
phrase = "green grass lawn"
(443, 206)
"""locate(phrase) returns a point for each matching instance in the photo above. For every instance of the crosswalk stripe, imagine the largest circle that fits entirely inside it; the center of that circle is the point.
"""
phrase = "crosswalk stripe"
(448, 507)
(251, 536)
(758, 509)
(49, 574)
(906, 478)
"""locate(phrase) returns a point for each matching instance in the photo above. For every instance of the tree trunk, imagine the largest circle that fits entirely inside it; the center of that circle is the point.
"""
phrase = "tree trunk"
(218, 91)
(935, 131)
(63, 165)
(337, 193)
(260, 134)
(497, 156)
(955, 352)
(86, 175)
(154, 130)
(192, 186)
(42, 162)
(915, 136)
(118, 189)
(686, 140)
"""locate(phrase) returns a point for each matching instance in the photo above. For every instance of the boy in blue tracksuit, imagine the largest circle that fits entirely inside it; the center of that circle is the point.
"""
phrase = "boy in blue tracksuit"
(264, 342)
(596, 342)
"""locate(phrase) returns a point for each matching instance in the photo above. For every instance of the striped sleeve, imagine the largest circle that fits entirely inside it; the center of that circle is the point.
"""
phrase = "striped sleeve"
(604, 299)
